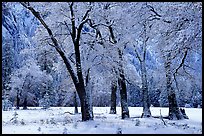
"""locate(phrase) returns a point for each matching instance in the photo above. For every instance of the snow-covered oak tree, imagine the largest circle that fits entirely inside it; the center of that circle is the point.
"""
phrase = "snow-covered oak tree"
(179, 34)
(74, 24)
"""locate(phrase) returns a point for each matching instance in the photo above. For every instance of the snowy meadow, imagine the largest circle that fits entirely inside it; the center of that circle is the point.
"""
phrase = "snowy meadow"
(62, 120)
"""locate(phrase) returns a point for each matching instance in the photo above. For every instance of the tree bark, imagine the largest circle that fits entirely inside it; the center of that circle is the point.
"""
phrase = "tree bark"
(113, 97)
(25, 103)
(174, 111)
(146, 100)
(75, 103)
(123, 89)
(88, 89)
(86, 107)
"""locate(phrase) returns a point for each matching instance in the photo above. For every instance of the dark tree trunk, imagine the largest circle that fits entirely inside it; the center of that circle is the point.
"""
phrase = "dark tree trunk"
(146, 100)
(174, 111)
(79, 85)
(17, 100)
(25, 103)
(123, 96)
(75, 103)
(113, 97)
(86, 107)
(123, 90)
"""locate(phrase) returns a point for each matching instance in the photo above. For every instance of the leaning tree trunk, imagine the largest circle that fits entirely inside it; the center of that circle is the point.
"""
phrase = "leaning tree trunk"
(79, 84)
(113, 97)
(146, 100)
(174, 111)
(123, 90)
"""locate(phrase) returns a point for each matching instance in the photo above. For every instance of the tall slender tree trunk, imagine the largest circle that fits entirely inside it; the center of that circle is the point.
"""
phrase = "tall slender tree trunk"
(113, 97)
(146, 100)
(123, 89)
(174, 111)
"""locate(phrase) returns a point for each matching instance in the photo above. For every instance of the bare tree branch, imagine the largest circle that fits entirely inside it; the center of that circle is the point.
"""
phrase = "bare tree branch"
(182, 61)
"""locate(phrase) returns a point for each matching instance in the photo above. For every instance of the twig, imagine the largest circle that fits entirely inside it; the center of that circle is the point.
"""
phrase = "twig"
(162, 118)
(69, 113)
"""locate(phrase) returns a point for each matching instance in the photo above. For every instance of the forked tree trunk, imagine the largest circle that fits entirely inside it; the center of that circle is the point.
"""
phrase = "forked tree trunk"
(113, 97)
(174, 111)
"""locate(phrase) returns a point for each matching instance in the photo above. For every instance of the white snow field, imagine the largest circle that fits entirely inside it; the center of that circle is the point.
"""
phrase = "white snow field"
(58, 120)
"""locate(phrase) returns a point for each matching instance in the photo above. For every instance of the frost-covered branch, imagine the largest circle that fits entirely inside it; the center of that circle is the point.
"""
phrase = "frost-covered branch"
(56, 45)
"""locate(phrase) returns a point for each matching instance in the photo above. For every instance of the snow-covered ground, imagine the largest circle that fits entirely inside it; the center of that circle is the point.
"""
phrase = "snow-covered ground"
(57, 120)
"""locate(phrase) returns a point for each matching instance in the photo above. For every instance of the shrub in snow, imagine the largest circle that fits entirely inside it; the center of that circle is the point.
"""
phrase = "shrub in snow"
(65, 131)
(14, 120)
(137, 122)
(119, 131)
(41, 121)
(187, 105)
(96, 125)
(39, 129)
(67, 119)
(185, 126)
(22, 122)
(52, 121)
(47, 121)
